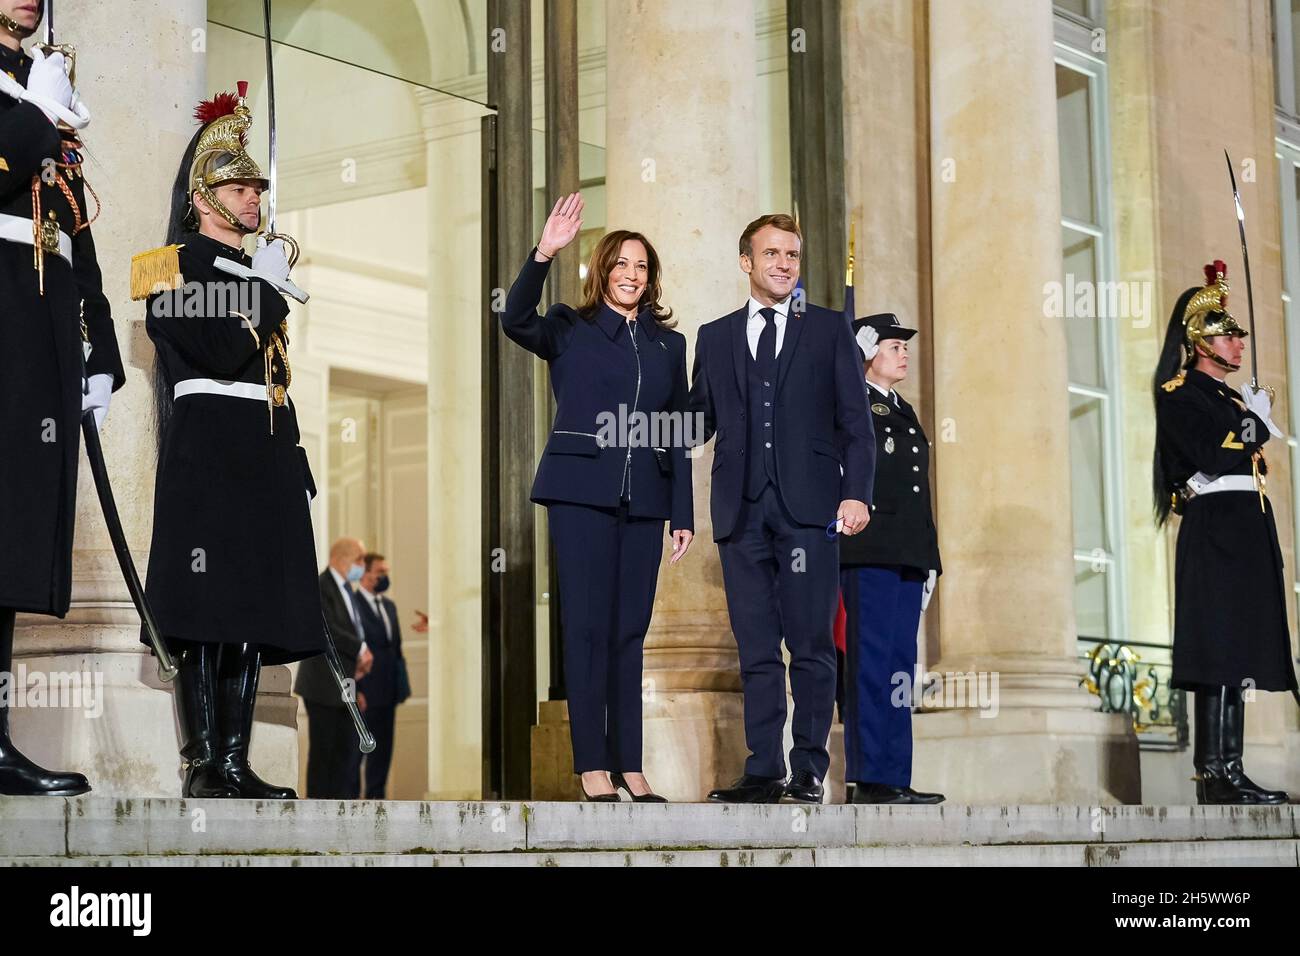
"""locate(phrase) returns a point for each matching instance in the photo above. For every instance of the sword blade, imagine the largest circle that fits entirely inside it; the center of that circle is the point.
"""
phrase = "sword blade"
(49, 22)
(1245, 259)
(99, 470)
(270, 118)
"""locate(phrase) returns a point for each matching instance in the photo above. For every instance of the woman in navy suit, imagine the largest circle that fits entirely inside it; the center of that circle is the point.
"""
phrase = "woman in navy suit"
(615, 468)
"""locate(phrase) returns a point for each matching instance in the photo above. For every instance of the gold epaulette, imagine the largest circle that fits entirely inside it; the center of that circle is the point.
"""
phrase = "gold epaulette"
(155, 271)
(1175, 382)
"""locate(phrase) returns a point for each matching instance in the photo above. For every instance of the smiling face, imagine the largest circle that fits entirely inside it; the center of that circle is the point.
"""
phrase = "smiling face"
(629, 276)
(772, 264)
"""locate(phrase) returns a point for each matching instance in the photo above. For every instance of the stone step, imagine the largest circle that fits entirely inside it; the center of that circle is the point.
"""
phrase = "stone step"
(85, 828)
(1199, 853)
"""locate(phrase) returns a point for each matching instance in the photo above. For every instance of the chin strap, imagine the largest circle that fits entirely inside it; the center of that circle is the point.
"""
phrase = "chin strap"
(1216, 358)
(10, 25)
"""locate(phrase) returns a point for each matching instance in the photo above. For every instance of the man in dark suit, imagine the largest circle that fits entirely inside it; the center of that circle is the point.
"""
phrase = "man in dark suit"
(386, 686)
(333, 761)
(780, 384)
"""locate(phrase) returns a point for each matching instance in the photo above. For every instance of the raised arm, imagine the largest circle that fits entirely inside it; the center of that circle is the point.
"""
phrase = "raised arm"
(543, 335)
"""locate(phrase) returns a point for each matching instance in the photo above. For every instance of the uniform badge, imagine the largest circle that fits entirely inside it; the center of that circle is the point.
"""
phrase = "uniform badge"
(880, 408)
(889, 445)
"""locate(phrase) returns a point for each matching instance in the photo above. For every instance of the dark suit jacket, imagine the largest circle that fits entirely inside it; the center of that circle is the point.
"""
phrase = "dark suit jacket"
(821, 421)
(595, 369)
(902, 523)
(380, 685)
(315, 683)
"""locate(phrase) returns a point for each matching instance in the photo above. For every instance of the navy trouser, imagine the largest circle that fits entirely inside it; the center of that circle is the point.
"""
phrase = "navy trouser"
(608, 565)
(882, 609)
(782, 581)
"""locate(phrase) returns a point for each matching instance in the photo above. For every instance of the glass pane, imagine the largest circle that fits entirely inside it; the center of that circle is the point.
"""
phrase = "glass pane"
(1074, 124)
(1087, 473)
(1079, 309)
(1090, 600)
(1294, 40)
(1078, 7)
(440, 44)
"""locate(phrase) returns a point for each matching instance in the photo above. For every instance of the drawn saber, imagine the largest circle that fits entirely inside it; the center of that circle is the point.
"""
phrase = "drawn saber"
(1245, 259)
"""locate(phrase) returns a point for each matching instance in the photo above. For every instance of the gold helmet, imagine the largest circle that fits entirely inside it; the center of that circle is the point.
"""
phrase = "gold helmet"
(1206, 316)
(219, 153)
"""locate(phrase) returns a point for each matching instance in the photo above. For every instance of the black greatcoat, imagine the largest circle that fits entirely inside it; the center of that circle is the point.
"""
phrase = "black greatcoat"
(233, 558)
(902, 528)
(41, 361)
(1230, 595)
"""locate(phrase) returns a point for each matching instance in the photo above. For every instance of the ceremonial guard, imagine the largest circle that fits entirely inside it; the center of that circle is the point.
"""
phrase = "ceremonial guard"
(60, 355)
(888, 573)
(232, 577)
(1230, 593)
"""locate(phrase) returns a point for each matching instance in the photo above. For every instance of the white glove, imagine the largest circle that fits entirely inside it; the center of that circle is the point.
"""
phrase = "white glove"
(868, 339)
(1257, 401)
(99, 391)
(49, 88)
(270, 260)
(927, 591)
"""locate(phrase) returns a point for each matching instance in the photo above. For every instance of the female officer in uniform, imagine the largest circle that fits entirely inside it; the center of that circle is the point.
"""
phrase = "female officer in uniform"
(607, 496)
(232, 575)
(888, 573)
(1230, 596)
(52, 309)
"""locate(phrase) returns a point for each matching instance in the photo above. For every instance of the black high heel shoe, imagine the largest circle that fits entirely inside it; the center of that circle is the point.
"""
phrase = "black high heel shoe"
(620, 783)
(599, 797)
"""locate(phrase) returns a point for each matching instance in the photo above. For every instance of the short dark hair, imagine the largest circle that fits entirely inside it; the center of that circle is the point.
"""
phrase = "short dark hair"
(370, 558)
(779, 219)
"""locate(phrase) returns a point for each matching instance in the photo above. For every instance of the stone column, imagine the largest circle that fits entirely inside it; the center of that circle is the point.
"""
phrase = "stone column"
(452, 135)
(140, 72)
(1002, 431)
(681, 166)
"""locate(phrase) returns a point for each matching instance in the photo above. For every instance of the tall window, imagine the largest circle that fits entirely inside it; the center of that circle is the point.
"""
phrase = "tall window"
(1087, 249)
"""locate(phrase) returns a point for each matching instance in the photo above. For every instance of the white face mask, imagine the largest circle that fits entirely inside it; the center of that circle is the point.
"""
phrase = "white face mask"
(356, 572)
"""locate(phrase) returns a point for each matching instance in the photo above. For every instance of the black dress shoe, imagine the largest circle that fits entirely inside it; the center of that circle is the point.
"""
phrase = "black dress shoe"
(619, 782)
(804, 787)
(750, 789)
(883, 793)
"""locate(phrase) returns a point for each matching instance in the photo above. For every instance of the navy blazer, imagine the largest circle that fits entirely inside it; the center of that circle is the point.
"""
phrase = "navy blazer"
(902, 527)
(380, 685)
(821, 423)
(596, 367)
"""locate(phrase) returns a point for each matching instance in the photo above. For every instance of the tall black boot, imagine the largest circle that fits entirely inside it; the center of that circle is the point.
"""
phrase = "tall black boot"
(1213, 784)
(236, 698)
(195, 689)
(1234, 741)
(19, 777)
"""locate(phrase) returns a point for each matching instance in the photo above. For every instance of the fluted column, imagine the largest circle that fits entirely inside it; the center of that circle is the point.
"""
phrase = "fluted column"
(1002, 429)
(140, 71)
(682, 166)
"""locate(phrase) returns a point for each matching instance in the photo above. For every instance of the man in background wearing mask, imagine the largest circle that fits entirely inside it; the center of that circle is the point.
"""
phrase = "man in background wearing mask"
(333, 761)
(387, 684)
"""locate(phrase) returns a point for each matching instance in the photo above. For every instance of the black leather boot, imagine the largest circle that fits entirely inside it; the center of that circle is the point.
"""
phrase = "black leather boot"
(236, 697)
(19, 777)
(1214, 786)
(1234, 741)
(195, 690)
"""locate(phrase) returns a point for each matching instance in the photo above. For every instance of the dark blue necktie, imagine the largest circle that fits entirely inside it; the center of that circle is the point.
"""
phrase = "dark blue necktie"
(766, 355)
